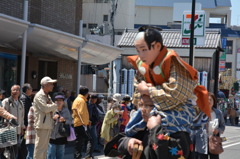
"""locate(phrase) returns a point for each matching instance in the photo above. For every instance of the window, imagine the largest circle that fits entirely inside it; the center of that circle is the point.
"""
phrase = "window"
(228, 67)
(91, 26)
(119, 33)
(84, 25)
(105, 18)
(229, 47)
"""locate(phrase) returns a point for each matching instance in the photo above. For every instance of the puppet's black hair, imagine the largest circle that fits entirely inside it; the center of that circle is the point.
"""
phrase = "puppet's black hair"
(151, 34)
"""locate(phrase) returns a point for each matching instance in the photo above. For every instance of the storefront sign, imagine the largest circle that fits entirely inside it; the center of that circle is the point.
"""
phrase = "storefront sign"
(223, 56)
(199, 27)
(222, 66)
(65, 76)
(238, 58)
(224, 43)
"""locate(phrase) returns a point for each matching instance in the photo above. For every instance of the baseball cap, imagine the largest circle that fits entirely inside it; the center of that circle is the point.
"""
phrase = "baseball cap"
(1, 91)
(59, 97)
(46, 80)
(100, 96)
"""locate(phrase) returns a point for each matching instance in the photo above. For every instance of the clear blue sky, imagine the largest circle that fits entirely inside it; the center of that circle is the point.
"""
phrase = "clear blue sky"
(235, 19)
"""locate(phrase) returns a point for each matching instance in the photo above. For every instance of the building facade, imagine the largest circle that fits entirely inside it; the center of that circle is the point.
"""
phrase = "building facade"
(52, 46)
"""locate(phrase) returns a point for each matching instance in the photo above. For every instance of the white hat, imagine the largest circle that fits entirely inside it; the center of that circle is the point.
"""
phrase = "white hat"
(117, 97)
(46, 80)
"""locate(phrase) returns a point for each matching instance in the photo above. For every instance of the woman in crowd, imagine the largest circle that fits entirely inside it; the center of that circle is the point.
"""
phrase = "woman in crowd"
(124, 112)
(57, 143)
(30, 134)
(216, 117)
(110, 119)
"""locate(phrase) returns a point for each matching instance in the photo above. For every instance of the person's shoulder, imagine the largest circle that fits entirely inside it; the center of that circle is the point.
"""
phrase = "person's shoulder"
(5, 100)
(79, 100)
(217, 111)
(64, 109)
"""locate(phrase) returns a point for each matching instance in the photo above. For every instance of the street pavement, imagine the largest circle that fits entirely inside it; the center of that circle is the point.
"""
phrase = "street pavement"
(231, 146)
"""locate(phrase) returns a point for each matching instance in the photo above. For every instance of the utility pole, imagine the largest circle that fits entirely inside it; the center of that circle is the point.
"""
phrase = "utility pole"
(192, 34)
(112, 14)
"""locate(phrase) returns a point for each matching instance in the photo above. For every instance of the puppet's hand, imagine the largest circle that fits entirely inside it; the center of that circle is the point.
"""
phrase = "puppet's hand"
(153, 121)
(143, 88)
(149, 84)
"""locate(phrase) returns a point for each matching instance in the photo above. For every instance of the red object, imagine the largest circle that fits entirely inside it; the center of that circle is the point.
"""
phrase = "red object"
(160, 137)
(115, 146)
(180, 152)
(191, 147)
(154, 146)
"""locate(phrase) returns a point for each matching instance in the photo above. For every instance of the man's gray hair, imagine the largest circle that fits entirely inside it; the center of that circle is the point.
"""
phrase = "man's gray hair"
(14, 86)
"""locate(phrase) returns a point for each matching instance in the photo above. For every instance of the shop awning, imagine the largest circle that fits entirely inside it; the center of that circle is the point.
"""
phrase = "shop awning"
(45, 40)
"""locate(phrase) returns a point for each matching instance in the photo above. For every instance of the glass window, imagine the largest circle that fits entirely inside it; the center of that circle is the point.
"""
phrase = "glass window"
(228, 67)
(91, 26)
(8, 71)
(105, 18)
(229, 47)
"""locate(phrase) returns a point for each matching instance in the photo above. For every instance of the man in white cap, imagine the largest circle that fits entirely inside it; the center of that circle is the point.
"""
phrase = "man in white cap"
(44, 108)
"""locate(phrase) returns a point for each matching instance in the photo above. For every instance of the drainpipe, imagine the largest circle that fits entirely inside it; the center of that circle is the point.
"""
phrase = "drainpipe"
(24, 45)
(79, 58)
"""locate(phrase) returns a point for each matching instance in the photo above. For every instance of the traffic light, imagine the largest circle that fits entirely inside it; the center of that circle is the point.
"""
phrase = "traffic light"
(236, 86)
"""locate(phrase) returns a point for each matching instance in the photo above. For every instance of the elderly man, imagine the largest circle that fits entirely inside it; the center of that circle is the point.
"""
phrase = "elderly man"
(14, 106)
(27, 102)
(44, 108)
(156, 140)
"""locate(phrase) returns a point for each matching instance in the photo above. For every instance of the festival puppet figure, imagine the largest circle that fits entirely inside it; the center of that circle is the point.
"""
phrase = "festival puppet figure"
(171, 83)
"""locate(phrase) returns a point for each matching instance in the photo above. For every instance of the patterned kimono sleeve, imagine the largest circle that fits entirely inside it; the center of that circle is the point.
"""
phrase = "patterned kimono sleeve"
(136, 95)
(170, 95)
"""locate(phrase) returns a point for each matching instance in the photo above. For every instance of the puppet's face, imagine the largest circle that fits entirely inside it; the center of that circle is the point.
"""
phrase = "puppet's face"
(146, 55)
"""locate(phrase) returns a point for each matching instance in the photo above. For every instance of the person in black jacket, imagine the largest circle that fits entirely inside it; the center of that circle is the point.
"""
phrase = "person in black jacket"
(94, 118)
(27, 103)
(26, 99)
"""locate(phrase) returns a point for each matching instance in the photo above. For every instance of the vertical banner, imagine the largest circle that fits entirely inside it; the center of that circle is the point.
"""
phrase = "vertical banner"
(222, 65)
(223, 56)
(124, 73)
(131, 74)
(204, 81)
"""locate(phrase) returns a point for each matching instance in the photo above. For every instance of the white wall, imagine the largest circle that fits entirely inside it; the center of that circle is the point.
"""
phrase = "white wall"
(125, 14)
(162, 15)
(124, 18)
(233, 57)
(153, 15)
